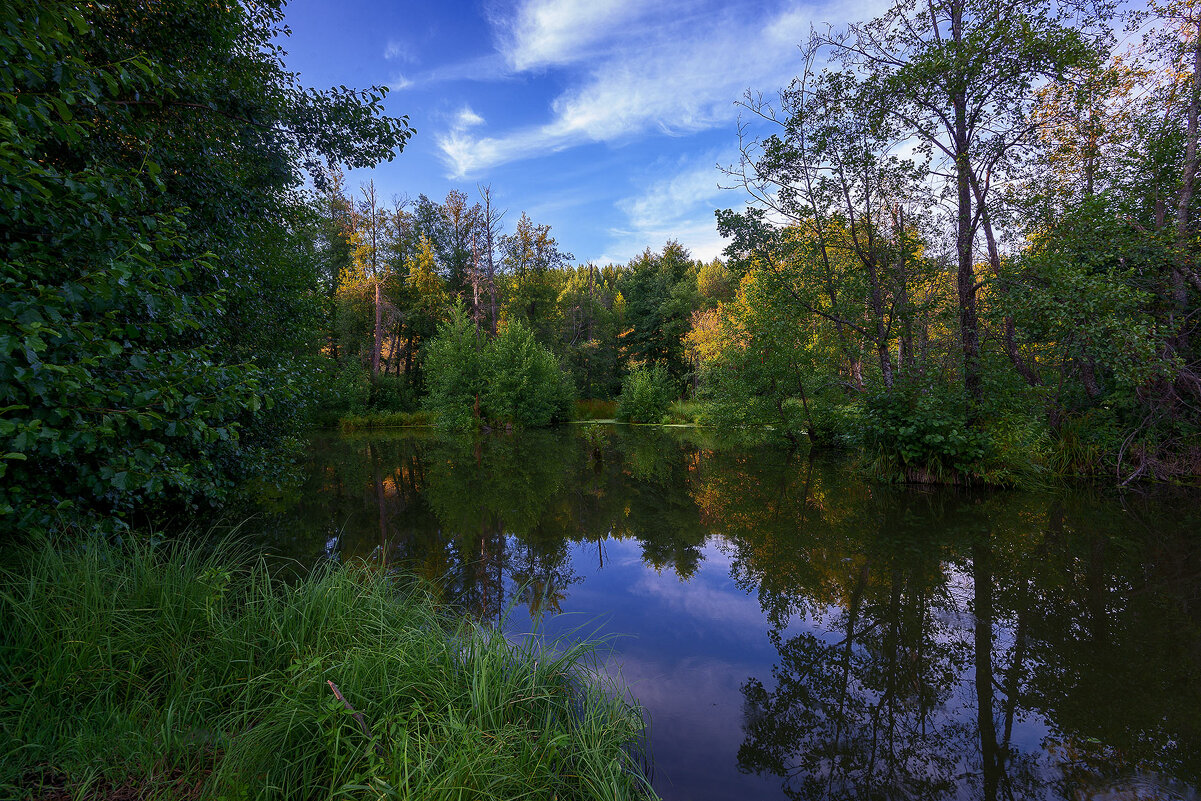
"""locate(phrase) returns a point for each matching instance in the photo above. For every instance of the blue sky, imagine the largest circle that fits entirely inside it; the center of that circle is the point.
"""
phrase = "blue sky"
(604, 118)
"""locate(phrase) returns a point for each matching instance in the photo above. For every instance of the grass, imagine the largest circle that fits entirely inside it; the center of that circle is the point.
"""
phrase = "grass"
(594, 409)
(684, 412)
(168, 672)
(373, 420)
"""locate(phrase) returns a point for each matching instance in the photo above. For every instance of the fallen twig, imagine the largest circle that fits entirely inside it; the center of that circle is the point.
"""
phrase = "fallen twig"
(357, 716)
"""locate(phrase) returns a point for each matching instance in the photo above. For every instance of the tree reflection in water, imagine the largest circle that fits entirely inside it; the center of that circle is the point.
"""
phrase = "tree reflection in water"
(931, 622)
(928, 644)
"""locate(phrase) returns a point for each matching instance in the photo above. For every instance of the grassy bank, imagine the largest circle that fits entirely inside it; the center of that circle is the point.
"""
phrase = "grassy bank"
(373, 420)
(166, 673)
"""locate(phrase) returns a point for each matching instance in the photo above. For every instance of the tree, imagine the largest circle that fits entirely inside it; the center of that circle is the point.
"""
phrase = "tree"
(150, 207)
(532, 258)
(831, 173)
(959, 76)
(489, 231)
(660, 293)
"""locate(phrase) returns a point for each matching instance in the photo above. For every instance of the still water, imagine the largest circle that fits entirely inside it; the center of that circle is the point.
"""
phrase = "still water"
(795, 631)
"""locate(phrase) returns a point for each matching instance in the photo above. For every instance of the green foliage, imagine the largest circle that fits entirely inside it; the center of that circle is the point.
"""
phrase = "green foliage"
(120, 663)
(392, 393)
(376, 420)
(454, 363)
(685, 412)
(919, 429)
(157, 313)
(523, 383)
(661, 295)
(645, 395)
(511, 380)
(594, 409)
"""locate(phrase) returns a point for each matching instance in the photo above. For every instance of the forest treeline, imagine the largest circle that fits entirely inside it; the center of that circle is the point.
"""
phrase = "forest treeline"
(970, 253)
(395, 275)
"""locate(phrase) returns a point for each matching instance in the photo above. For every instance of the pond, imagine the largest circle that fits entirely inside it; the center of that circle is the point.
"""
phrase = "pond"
(794, 630)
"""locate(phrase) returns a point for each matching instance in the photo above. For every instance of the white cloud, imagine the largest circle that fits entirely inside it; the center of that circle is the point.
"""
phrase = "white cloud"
(399, 51)
(677, 204)
(675, 73)
(542, 33)
(490, 67)
(467, 118)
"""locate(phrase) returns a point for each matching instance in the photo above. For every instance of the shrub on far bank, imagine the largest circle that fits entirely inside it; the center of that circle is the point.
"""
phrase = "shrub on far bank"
(168, 672)
(376, 420)
(511, 380)
(917, 432)
(685, 412)
(645, 395)
(524, 384)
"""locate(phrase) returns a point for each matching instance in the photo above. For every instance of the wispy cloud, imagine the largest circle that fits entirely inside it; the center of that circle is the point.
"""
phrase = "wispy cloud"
(467, 118)
(676, 204)
(491, 67)
(541, 33)
(633, 71)
(397, 50)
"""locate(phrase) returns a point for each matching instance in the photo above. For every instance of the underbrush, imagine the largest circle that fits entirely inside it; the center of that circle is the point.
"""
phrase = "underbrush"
(165, 672)
(594, 409)
(684, 412)
(363, 422)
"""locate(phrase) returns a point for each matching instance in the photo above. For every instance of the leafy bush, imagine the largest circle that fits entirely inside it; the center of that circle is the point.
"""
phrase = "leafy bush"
(156, 297)
(919, 431)
(392, 393)
(454, 372)
(685, 412)
(512, 380)
(524, 384)
(645, 395)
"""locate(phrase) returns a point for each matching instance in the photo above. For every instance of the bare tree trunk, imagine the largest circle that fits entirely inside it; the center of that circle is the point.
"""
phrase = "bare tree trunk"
(969, 325)
(1187, 185)
(475, 287)
(492, 219)
(379, 332)
(905, 355)
(994, 258)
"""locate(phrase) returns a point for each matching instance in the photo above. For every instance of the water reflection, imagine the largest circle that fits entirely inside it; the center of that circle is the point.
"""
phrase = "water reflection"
(802, 633)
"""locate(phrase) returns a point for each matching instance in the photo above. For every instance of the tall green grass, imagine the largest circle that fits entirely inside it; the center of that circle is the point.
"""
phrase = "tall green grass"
(594, 409)
(683, 412)
(168, 672)
(374, 420)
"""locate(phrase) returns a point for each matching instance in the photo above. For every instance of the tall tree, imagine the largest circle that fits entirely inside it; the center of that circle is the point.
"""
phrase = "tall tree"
(490, 232)
(959, 76)
(532, 258)
(140, 349)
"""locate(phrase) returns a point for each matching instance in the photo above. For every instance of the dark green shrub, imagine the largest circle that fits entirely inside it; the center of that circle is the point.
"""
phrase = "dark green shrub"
(646, 394)
(523, 382)
(512, 380)
(919, 429)
(595, 409)
(453, 372)
(339, 391)
(392, 393)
